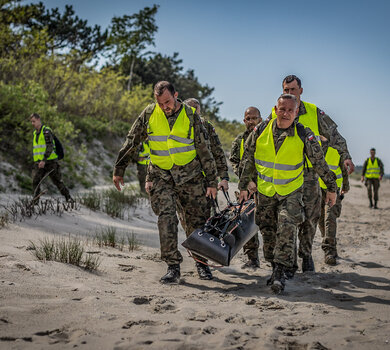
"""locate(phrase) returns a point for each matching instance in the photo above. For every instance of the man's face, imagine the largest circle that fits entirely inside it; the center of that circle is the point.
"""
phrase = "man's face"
(167, 102)
(251, 119)
(286, 111)
(36, 123)
(372, 153)
(293, 89)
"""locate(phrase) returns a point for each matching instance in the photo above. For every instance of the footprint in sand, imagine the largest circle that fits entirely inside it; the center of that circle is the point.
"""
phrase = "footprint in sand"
(295, 329)
(164, 305)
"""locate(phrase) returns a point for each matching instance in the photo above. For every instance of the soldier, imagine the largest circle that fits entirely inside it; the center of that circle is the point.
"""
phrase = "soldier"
(178, 153)
(373, 171)
(328, 219)
(321, 124)
(276, 150)
(252, 117)
(45, 158)
(142, 159)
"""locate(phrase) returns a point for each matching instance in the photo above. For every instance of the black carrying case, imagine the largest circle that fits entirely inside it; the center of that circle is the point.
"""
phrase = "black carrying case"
(225, 233)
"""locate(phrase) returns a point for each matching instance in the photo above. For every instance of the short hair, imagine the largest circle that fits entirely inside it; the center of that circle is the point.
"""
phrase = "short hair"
(35, 115)
(256, 109)
(373, 149)
(288, 97)
(192, 102)
(161, 86)
(290, 79)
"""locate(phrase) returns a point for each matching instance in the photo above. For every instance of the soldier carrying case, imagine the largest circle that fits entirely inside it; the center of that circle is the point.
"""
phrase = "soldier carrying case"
(225, 233)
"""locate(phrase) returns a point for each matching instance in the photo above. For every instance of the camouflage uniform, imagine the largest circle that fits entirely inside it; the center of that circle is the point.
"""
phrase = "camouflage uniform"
(278, 217)
(185, 184)
(373, 182)
(311, 188)
(51, 166)
(328, 220)
(252, 246)
(141, 175)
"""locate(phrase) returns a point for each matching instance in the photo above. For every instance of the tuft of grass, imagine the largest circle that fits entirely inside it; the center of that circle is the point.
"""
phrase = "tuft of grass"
(91, 200)
(132, 241)
(4, 220)
(68, 251)
(110, 237)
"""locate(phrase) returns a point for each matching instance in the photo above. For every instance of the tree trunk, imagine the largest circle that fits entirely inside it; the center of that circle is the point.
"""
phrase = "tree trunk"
(131, 74)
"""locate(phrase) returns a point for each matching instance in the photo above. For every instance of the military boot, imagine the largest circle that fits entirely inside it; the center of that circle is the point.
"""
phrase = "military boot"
(172, 276)
(307, 264)
(370, 202)
(330, 259)
(376, 205)
(289, 272)
(277, 280)
(204, 271)
(252, 263)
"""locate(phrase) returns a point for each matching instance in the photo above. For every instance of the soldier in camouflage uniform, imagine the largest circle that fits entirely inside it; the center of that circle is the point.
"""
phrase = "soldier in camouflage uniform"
(45, 159)
(328, 220)
(321, 124)
(252, 117)
(276, 150)
(179, 153)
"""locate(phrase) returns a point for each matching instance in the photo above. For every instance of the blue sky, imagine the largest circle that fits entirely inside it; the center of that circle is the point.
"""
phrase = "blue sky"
(340, 50)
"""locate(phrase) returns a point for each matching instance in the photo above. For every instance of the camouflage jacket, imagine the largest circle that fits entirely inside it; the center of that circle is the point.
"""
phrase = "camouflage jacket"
(216, 150)
(235, 152)
(179, 174)
(328, 128)
(312, 150)
(49, 143)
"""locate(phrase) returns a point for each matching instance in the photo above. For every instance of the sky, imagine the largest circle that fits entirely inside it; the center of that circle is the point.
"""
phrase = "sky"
(244, 49)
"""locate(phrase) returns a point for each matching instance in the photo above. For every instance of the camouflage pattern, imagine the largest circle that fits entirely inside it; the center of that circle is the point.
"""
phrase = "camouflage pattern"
(310, 190)
(55, 176)
(278, 219)
(372, 184)
(191, 197)
(141, 174)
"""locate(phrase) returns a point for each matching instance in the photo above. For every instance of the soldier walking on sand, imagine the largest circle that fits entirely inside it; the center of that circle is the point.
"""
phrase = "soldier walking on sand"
(276, 151)
(178, 154)
(45, 158)
(320, 123)
(373, 172)
(252, 117)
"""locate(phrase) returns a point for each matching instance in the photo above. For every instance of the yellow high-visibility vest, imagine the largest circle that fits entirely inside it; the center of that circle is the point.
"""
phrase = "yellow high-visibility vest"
(332, 157)
(169, 147)
(242, 147)
(309, 120)
(144, 155)
(280, 172)
(39, 147)
(372, 170)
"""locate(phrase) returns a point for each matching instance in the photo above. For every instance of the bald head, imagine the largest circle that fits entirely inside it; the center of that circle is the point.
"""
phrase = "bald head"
(252, 117)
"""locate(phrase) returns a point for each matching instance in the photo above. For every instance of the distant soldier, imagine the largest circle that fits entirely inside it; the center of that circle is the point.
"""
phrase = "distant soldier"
(329, 215)
(45, 158)
(178, 154)
(373, 172)
(320, 123)
(276, 151)
(252, 117)
(142, 160)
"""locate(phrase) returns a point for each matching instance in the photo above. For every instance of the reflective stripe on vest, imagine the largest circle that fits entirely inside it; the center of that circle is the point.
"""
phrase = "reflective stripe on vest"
(280, 172)
(332, 157)
(144, 155)
(39, 147)
(242, 147)
(169, 147)
(309, 120)
(372, 170)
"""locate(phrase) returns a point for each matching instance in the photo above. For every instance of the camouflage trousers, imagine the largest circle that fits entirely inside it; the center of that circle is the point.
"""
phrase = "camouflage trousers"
(191, 196)
(278, 219)
(372, 184)
(312, 210)
(141, 174)
(55, 175)
(328, 224)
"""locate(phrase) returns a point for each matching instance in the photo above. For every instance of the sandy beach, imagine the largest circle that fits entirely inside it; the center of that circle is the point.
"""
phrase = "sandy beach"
(51, 305)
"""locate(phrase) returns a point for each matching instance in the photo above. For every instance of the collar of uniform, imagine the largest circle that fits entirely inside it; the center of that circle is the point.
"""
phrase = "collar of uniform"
(290, 131)
(302, 109)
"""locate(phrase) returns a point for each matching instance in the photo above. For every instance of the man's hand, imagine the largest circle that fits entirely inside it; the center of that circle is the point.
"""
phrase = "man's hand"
(348, 163)
(118, 180)
(41, 164)
(148, 186)
(252, 187)
(223, 184)
(330, 199)
(243, 196)
(344, 191)
(362, 179)
(211, 192)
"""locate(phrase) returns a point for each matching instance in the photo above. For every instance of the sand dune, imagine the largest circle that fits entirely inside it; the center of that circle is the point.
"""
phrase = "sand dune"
(123, 306)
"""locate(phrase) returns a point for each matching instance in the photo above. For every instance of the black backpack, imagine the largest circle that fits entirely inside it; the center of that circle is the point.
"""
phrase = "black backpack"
(59, 149)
